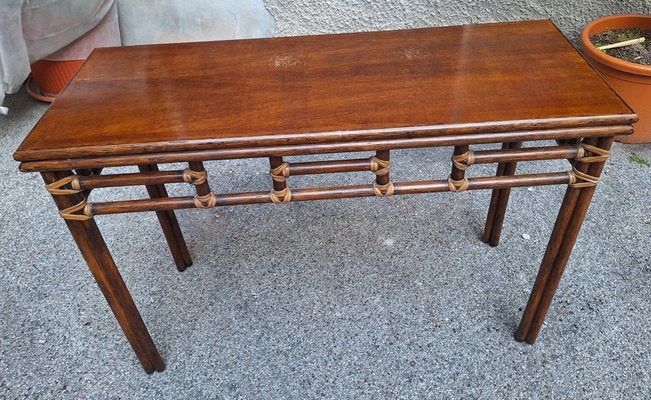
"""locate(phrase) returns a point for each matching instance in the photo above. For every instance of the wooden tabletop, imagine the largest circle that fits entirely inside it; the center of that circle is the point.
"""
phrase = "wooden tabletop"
(242, 93)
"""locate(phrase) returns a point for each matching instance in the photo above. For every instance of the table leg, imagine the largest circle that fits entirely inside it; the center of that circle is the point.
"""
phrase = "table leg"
(101, 264)
(169, 223)
(499, 201)
(566, 229)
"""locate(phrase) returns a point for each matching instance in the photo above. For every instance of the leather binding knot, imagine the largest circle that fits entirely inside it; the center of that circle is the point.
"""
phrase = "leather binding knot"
(597, 154)
(281, 196)
(463, 161)
(194, 177)
(206, 201)
(457, 186)
(56, 188)
(71, 214)
(580, 179)
(379, 166)
(280, 173)
(383, 190)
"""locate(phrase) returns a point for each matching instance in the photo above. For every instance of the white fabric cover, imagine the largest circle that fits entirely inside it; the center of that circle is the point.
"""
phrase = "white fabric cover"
(105, 34)
(33, 29)
(171, 21)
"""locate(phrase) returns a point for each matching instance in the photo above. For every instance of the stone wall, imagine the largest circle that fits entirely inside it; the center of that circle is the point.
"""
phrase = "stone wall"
(303, 17)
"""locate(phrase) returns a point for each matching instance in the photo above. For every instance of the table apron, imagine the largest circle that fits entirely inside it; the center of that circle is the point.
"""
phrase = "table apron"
(323, 148)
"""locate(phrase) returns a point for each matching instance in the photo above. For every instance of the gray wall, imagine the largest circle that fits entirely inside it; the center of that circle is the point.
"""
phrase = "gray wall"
(303, 17)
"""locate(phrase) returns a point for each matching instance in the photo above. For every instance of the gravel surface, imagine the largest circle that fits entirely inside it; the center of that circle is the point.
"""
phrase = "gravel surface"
(358, 298)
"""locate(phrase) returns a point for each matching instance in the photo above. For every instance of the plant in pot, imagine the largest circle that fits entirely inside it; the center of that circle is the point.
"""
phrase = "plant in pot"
(619, 48)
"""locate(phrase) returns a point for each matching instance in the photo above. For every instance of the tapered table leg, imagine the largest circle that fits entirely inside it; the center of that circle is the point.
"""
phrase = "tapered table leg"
(566, 229)
(499, 201)
(169, 223)
(101, 265)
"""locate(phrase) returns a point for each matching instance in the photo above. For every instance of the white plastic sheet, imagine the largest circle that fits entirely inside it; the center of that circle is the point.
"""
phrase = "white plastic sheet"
(32, 29)
(169, 21)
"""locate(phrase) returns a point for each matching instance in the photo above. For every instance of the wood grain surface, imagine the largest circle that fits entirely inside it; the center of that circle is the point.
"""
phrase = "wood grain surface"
(323, 89)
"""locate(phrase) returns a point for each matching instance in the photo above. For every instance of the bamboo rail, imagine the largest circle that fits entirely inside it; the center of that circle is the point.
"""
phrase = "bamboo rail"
(329, 167)
(231, 199)
(132, 179)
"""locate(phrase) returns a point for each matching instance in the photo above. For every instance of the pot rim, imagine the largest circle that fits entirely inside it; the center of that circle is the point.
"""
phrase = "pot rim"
(604, 58)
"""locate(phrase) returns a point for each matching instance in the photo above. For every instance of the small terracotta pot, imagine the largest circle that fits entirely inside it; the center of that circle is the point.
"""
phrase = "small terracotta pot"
(630, 80)
(50, 77)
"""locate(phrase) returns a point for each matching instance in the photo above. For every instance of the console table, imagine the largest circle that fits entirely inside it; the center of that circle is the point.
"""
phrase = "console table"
(504, 83)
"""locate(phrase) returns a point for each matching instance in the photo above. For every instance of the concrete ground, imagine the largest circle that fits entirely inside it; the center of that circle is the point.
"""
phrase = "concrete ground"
(359, 298)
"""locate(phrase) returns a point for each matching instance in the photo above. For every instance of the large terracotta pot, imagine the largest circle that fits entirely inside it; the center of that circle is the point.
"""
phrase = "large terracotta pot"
(630, 80)
(49, 78)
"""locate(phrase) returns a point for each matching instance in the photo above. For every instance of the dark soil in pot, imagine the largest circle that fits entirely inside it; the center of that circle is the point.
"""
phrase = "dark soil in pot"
(637, 53)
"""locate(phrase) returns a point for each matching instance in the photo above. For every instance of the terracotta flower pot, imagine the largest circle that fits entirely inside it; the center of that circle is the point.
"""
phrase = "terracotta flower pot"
(50, 77)
(630, 80)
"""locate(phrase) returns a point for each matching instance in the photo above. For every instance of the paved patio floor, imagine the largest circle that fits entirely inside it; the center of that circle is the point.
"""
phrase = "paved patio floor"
(359, 298)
